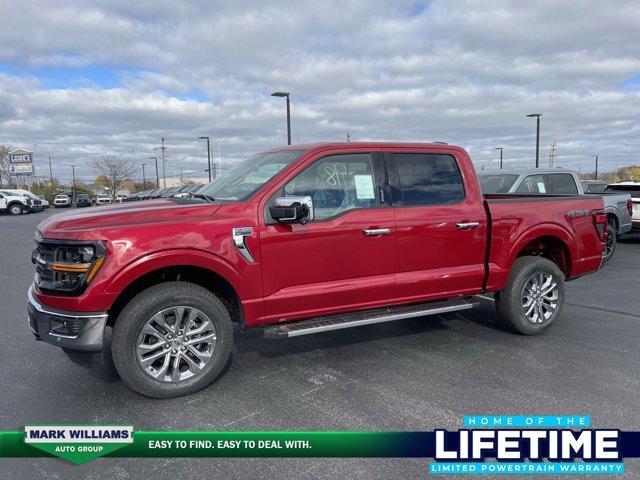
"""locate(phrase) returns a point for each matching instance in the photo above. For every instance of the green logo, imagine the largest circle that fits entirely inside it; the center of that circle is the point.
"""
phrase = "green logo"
(78, 444)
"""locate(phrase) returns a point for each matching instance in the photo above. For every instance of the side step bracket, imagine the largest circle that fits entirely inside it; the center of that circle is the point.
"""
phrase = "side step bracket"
(366, 317)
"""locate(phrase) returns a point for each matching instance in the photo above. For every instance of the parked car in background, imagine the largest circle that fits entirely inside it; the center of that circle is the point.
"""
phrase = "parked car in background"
(101, 199)
(45, 202)
(13, 203)
(83, 200)
(633, 189)
(35, 204)
(187, 190)
(593, 186)
(120, 197)
(61, 201)
(379, 232)
(560, 181)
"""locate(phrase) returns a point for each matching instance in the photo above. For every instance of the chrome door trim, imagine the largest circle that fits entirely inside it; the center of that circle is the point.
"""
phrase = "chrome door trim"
(376, 232)
(467, 225)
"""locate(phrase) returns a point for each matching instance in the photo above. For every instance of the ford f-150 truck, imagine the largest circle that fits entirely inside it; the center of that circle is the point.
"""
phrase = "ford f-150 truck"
(299, 240)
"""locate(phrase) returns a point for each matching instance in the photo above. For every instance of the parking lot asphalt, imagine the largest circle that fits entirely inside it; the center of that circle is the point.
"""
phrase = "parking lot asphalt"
(416, 374)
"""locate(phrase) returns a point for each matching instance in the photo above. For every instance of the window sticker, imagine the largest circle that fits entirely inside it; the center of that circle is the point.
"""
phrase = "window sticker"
(364, 187)
(541, 188)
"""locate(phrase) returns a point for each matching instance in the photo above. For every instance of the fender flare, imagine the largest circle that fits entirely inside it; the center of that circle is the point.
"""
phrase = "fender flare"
(544, 230)
(181, 257)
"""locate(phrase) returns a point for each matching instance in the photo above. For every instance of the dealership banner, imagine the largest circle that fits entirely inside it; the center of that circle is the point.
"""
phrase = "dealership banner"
(486, 445)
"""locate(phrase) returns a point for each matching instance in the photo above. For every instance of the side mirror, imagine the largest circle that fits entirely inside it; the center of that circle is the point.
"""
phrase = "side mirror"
(292, 210)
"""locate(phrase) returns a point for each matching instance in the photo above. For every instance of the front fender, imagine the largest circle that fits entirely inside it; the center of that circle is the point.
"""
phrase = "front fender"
(175, 258)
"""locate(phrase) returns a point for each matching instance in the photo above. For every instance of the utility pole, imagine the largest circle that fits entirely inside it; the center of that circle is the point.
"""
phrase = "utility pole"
(500, 148)
(157, 176)
(144, 179)
(595, 155)
(50, 173)
(181, 179)
(537, 115)
(164, 177)
(348, 136)
(73, 189)
(208, 153)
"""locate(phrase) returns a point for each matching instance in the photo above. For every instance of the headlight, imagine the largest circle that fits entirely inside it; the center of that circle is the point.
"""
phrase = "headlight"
(66, 266)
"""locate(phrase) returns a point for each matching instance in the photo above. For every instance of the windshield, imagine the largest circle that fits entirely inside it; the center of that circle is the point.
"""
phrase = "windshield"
(244, 179)
(496, 183)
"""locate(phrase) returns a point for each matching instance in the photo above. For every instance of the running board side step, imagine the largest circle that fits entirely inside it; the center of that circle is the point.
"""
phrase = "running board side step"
(366, 317)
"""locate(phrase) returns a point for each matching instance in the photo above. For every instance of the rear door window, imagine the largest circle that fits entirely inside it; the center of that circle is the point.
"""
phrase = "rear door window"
(428, 179)
(532, 184)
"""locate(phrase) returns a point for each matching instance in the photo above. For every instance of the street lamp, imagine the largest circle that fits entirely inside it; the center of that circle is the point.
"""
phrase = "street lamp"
(208, 153)
(157, 176)
(537, 115)
(144, 180)
(286, 95)
(500, 148)
(595, 155)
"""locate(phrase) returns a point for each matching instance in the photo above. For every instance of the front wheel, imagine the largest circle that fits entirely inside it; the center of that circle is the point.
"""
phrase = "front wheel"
(173, 339)
(15, 209)
(533, 296)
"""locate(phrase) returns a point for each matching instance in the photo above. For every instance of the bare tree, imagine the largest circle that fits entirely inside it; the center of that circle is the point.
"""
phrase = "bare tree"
(116, 170)
(4, 163)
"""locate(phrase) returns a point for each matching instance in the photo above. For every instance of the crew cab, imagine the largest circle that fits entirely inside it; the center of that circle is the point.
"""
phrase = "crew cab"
(300, 240)
(560, 181)
(34, 201)
(14, 203)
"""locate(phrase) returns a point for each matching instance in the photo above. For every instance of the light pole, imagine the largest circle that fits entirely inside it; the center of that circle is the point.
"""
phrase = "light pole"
(595, 155)
(164, 177)
(157, 176)
(208, 154)
(286, 95)
(50, 173)
(144, 179)
(537, 115)
(500, 148)
(73, 189)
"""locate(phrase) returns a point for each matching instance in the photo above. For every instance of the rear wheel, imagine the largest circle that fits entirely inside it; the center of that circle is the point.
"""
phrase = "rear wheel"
(610, 243)
(533, 296)
(172, 339)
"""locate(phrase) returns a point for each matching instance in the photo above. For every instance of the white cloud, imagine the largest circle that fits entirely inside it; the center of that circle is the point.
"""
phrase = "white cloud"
(465, 72)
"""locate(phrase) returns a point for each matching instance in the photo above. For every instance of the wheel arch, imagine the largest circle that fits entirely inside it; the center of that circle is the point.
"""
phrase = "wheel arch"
(551, 242)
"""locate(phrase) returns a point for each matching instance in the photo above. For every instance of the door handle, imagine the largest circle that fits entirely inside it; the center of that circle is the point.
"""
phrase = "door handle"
(467, 225)
(375, 232)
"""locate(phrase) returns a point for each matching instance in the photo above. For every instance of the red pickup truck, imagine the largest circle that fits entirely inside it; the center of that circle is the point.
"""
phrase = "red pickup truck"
(299, 240)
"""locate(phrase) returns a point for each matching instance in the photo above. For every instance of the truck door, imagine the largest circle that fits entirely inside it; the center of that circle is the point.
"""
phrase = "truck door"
(441, 225)
(345, 257)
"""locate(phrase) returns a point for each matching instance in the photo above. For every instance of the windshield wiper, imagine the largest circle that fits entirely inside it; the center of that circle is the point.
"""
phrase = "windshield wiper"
(204, 196)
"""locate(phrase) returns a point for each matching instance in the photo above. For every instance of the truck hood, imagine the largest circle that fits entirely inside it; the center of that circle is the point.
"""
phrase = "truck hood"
(78, 223)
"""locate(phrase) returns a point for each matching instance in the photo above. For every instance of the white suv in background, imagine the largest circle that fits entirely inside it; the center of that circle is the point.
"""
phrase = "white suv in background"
(61, 201)
(102, 199)
(633, 189)
(13, 203)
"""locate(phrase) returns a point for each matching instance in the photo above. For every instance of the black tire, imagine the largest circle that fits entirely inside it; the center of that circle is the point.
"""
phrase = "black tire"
(140, 309)
(611, 242)
(15, 209)
(509, 301)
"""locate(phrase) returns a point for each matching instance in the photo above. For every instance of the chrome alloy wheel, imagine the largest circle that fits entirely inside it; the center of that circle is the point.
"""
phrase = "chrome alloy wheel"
(176, 344)
(540, 297)
(608, 246)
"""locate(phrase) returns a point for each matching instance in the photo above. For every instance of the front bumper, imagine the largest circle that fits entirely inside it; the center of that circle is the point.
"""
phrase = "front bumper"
(83, 331)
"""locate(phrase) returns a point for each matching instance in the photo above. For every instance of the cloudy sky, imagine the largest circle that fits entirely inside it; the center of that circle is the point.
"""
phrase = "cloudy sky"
(80, 79)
